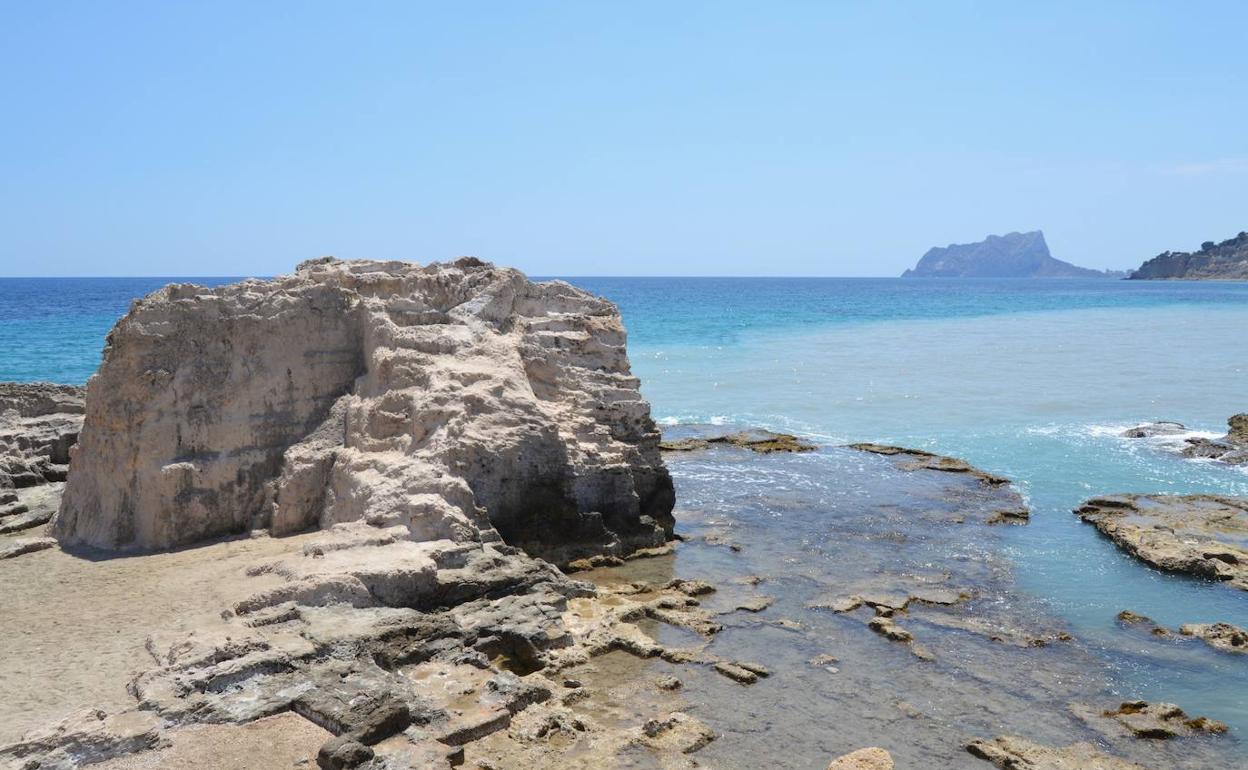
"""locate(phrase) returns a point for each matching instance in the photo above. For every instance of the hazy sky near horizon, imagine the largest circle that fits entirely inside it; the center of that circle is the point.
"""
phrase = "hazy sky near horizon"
(647, 138)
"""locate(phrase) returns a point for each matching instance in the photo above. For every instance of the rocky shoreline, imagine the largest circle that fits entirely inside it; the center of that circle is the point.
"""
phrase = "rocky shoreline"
(390, 516)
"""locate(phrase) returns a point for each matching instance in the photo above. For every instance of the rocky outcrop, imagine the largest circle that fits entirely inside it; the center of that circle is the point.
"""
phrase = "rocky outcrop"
(1014, 255)
(1221, 636)
(39, 422)
(455, 401)
(1137, 622)
(1227, 261)
(1200, 535)
(1231, 448)
(864, 759)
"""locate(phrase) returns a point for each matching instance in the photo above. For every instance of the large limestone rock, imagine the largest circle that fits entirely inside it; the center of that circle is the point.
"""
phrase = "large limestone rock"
(460, 401)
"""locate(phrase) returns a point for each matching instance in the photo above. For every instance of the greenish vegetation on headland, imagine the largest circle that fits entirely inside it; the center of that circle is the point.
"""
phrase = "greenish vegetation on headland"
(1225, 261)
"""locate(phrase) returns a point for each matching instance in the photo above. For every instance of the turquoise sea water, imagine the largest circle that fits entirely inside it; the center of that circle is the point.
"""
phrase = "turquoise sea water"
(1032, 379)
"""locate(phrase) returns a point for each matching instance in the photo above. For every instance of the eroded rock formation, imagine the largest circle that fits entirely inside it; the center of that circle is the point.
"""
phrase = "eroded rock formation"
(459, 401)
(39, 422)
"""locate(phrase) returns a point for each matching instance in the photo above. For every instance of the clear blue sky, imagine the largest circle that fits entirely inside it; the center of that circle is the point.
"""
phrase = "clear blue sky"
(820, 138)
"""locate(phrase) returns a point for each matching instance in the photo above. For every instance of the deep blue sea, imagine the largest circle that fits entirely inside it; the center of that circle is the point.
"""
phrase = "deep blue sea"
(1031, 379)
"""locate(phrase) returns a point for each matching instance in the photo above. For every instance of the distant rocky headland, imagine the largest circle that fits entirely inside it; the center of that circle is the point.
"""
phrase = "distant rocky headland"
(1225, 261)
(1013, 255)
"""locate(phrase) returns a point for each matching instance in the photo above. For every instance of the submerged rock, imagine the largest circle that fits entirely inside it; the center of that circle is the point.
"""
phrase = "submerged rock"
(755, 440)
(677, 732)
(460, 401)
(1008, 506)
(1132, 620)
(918, 458)
(1009, 753)
(1200, 535)
(1220, 636)
(740, 671)
(1154, 429)
(1161, 720)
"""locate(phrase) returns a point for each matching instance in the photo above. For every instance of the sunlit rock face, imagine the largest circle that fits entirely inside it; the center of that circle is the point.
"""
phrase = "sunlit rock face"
(459, 400)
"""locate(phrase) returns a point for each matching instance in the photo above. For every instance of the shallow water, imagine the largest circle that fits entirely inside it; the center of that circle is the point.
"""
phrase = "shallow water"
(830, 524)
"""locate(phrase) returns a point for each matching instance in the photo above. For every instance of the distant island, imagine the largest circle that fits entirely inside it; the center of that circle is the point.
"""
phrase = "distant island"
(1014, 255)
(1225, 261)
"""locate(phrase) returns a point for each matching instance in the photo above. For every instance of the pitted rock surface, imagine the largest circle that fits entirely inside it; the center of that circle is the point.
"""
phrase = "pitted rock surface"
(1203, 535)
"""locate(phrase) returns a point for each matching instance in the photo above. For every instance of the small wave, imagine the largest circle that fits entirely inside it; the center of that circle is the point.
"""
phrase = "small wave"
(1113, 430)
(1176, 439)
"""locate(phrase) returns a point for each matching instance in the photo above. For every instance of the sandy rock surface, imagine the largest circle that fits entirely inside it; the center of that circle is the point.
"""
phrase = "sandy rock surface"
(1203, 535)
(864, 759)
